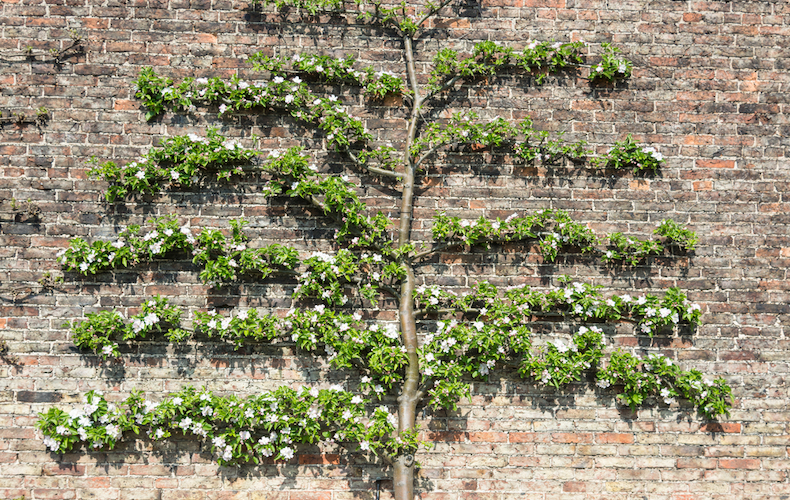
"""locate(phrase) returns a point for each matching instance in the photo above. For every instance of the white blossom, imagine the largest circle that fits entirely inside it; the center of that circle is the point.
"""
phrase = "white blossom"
(391, 331)
(51, 443)
(560, 345)
(150, 319)
(113, 431)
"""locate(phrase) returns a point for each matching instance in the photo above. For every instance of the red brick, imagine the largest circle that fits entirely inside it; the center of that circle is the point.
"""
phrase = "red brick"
(715, 164)
(739, 463)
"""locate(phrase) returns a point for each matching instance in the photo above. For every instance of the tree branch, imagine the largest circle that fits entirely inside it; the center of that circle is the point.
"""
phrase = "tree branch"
(430, 152)
(392, 291)
(437, 249)
(372, 169)
(422, 312)
(430, 13)
(448, 84)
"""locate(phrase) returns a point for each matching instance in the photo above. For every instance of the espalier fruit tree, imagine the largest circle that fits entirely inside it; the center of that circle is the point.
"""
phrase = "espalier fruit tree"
(442, 341)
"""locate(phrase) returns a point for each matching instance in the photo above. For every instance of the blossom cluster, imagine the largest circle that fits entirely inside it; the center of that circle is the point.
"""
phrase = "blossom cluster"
(629, 154)
(178, 161)
(238, 430)
(224, 258)
(344, 338)
(537, 145)
(347, 343)
(528, 144)
(327, 69)
(582, 301)
(552, 228)
(462, 128)
(291, 95)
(101, 330)
(558, 363)
(457, 350)
(221, 258)
(658, 376)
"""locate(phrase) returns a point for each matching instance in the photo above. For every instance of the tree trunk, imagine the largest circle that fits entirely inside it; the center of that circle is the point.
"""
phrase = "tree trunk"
(403, 478)
(403, 466)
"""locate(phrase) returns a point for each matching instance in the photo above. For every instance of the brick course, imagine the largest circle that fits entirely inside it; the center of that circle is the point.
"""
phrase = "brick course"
(710, 91)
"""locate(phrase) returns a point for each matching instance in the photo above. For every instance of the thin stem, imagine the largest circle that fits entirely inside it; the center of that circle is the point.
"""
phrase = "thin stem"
(431, 12)
(372, 169)
(423, 312)
(448, 84)
(437, 249)
(430, 152)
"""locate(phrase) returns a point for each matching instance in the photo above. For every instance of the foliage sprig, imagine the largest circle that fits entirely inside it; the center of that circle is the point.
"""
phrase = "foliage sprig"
(612, 66)
(628, 154)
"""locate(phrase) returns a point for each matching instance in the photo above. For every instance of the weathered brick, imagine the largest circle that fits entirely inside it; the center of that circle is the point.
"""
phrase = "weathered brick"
(709, 92)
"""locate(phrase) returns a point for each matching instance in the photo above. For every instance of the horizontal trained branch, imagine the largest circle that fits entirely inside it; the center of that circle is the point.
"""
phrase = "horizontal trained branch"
(554, 229)
(293, 96)
(238, 430)
(327, 69)
(225, 259)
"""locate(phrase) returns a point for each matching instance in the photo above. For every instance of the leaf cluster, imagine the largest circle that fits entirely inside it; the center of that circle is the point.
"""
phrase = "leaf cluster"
(101, 330)
(658, 376)
(612, 66)
(629, 154)
(327, 69)
(489, 58)
(178, 161)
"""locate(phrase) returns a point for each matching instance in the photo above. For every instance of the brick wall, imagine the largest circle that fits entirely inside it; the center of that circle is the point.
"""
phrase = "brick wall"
(710, 91)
